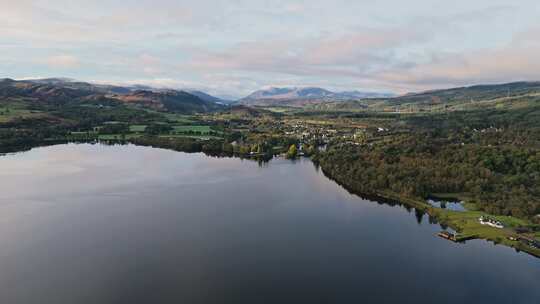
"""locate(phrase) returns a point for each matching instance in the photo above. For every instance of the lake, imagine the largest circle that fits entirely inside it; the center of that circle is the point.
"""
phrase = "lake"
(126, 224)
(445, 204)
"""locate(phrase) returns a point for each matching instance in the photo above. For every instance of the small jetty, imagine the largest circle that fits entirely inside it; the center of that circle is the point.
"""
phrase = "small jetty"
(448, 235)
(454, 237)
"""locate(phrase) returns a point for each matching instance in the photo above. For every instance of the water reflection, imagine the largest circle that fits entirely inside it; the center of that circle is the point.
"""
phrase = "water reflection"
(453, 205)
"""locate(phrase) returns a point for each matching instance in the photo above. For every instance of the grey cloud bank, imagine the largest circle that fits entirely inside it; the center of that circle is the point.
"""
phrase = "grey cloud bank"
(235, 47)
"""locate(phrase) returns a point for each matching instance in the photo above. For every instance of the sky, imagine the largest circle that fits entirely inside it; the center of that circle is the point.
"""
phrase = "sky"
(231, 48)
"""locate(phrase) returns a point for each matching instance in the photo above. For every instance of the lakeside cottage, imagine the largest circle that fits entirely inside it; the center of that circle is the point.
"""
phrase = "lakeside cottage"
(484, 220)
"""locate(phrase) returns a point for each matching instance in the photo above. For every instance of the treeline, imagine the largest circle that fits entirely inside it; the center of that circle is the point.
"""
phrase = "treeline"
(183, 144)
(212, 147)
(57, 122)
(87, 117)
(22, 134)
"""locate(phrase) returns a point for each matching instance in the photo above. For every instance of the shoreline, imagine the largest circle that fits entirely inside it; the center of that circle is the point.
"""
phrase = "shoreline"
(465, 223)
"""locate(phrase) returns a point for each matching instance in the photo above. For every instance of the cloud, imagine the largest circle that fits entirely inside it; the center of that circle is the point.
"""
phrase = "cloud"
(400, 59)
(337, 55)
(528, 37)
(63, 61)
(150, 64)
(86, 23)
(237, 45)
(294, 8)
(516, 61)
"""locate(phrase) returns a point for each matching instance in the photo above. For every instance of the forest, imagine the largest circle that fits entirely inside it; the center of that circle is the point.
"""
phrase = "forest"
(490, 158)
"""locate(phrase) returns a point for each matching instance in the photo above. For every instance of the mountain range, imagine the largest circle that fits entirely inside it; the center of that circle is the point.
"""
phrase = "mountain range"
(295, 96)
(58, 91)
(470, 93)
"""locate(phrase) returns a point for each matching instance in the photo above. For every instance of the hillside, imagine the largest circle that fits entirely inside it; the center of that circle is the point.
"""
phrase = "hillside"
(79, 85)
(509, 95)
(470, 94)
(174, 101)
(60, 92)
(41, 93)
(289, 93)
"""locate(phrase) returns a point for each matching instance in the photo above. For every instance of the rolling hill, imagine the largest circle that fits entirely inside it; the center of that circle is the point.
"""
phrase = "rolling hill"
(470, 94)
(174, 101)
(508, 95)
(60, 92)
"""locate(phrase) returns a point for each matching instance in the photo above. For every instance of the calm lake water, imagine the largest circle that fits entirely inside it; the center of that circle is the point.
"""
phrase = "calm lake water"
(126, 224)
(450, 205)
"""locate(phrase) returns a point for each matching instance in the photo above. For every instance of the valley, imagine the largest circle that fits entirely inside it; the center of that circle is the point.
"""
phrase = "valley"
(485, 151)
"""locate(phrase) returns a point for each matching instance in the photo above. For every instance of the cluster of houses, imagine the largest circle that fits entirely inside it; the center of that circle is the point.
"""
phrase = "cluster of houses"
(484, 220)
(308, 132)
(490, 129)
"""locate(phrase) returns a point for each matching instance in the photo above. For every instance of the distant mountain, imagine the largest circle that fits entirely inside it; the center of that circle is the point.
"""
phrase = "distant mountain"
(38, 92)
(303, 96)
(59, 92)
(63, 91)
(78, 85)
(289, 93)
(516, 94)
(51, 81)
(362, 95)
(207, 97)
(116, 89)
(469, 94)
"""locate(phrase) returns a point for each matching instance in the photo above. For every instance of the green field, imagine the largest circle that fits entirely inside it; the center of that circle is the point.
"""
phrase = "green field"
(468, 226)
(179, 118)
(282, 110)
(117, 136)
(186, 129)
(135, 131)
(83, 134)
(137, 128)
(202, 137)
(12, 110)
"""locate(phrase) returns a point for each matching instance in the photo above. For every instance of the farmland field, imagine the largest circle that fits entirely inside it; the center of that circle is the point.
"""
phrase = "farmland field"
(186, 129)
(137, 128)
(201, 137)
(9, 111)
(178, 118)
